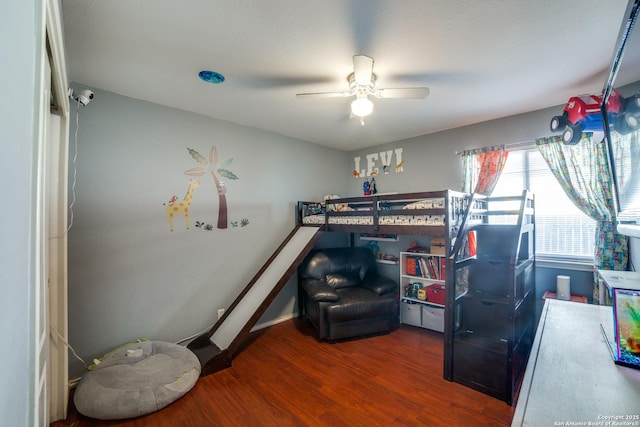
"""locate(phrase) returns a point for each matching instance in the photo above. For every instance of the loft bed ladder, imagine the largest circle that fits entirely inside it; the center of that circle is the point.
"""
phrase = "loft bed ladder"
(511, 245)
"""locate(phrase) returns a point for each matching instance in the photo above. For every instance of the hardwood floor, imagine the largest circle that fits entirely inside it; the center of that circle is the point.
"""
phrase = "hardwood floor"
(285, 377)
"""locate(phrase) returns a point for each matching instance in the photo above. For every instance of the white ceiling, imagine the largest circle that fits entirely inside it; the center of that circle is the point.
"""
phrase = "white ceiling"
(481, 59)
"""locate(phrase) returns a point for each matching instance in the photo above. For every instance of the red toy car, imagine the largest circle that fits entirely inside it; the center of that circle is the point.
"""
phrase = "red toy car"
(582, 113)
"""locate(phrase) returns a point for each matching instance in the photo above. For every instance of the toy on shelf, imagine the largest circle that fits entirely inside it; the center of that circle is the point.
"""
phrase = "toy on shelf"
(415, 248)
(582, 114)
(388, 258)
(366, 188)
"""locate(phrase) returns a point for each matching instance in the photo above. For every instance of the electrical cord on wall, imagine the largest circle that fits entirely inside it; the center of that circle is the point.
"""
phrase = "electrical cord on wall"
(83, 98)
(68, 346)
(75, 169)
(196, 335)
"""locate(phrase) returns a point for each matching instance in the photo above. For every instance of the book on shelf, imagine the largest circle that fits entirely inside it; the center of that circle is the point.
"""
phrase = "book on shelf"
(431, 273)
(411, 266)
(435, 268)
(428, 267)
(421, 269)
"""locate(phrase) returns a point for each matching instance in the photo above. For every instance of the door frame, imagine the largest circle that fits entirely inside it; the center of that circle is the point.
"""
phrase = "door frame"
(55, 212)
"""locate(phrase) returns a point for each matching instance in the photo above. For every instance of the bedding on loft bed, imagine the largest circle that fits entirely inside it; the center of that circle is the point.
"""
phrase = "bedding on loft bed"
(414, 213)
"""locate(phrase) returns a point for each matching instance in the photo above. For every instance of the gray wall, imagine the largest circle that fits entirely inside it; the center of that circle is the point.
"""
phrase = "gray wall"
(20, 49)
(129, 275)
(430, 162)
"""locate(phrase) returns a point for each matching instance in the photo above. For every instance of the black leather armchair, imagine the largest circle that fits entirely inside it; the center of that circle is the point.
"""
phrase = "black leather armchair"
(343, 296)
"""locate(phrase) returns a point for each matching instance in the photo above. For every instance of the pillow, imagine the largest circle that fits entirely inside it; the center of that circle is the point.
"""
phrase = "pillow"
(136, 379)
(339, 281)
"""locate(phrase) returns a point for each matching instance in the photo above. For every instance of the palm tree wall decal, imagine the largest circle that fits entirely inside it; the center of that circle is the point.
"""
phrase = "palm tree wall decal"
(208, 165)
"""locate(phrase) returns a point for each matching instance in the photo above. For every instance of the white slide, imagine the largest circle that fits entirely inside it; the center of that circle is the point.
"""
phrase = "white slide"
(247, 306)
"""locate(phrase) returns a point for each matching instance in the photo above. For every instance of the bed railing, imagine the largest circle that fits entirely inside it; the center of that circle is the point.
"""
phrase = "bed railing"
(410, 211)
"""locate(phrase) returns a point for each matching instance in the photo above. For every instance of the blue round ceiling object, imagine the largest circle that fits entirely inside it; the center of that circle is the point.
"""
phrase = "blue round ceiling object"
(211, 76)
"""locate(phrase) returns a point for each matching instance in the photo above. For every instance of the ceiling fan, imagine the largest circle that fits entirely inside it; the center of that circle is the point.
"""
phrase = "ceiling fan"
(362, 83)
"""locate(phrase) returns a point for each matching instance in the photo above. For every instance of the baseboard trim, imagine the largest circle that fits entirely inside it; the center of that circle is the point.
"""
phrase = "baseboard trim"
(275, 321)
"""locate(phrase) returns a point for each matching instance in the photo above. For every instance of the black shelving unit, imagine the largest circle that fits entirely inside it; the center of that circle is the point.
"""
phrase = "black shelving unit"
(490, 316)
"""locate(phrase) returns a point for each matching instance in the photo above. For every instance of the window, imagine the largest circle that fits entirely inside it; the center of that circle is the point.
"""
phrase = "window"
(562, 230)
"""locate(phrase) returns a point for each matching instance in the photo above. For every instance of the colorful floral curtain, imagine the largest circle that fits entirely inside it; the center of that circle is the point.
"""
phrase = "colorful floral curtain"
(481, 169)
(584, 174)
(626, 148)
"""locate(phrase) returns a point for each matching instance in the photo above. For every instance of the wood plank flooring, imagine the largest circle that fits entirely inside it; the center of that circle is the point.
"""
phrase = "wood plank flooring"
(285, 377)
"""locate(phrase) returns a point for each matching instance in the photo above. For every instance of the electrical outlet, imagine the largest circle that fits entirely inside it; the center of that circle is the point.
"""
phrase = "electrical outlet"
(220, 313)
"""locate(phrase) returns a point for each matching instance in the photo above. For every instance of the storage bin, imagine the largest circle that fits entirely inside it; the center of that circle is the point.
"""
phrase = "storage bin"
(433, 318)
(410, 314)
(435, 293)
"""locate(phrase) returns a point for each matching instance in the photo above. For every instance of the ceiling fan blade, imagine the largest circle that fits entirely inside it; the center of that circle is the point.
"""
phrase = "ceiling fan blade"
(362, 69)
(408, 92)
(324, 95)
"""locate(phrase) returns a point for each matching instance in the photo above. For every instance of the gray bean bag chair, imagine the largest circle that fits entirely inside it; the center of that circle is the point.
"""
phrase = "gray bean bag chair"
(136, 379)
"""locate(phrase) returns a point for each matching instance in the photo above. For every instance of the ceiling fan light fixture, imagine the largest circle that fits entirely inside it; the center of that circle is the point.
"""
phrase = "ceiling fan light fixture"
(362, 84)
(362, 107)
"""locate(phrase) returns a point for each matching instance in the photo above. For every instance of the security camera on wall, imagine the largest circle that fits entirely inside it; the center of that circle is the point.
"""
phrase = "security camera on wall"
(84, 97)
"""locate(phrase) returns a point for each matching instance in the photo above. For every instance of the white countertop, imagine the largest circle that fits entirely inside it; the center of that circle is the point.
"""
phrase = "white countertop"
(571, 378)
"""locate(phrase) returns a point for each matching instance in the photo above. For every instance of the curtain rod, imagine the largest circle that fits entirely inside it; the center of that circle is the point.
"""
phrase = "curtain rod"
(511, 146)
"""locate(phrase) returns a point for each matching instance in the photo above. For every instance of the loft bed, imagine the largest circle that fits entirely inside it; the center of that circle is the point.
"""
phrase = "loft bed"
(431, 213)
(436, 214)
(446, 214)
(489, 311)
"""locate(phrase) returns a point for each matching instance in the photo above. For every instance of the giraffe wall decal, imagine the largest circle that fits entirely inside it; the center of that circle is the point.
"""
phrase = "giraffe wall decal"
(183, 206)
